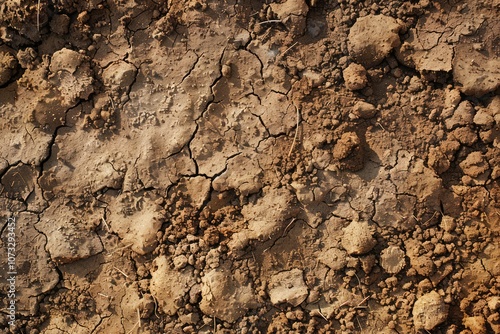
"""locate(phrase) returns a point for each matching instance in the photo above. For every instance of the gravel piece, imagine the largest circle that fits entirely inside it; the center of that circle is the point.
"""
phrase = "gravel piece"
(429, 311)
(364, 109)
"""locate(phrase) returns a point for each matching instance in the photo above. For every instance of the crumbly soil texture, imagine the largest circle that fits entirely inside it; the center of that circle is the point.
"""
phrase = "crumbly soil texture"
(244, 166)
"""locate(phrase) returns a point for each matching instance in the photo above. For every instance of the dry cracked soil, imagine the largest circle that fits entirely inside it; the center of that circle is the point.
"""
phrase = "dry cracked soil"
(244, 166)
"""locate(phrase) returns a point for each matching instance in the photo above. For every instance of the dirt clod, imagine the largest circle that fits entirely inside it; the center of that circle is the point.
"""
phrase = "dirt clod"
(355, 77)
(392, 259)
(225, 297)
(476, 324)
(169, 286)
(474, 165)
(364, 110)
(358, 238)
(429, 311)
(334, 258)
(371, 39)
(288, 287)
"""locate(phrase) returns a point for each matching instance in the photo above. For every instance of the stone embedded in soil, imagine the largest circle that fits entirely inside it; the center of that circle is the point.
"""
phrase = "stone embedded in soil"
(364, 109)
(429, 311)
(19, 182)
(333, 258)
(224, 296)
(372, 38)
(392, 259)
(358, 238)
(71, 243)
(448, 223)
(66, 60)
(288, 287)
(355, 77)
(180, 261)
(168, 286)
(316, 79)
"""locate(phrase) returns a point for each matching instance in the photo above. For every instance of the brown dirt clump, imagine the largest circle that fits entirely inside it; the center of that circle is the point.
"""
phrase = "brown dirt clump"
(291, 166)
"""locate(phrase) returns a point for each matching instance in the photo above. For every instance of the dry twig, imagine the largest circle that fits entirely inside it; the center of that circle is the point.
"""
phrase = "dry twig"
(105, 223)
(296, 132)
(285, 230)
(270, 21)
(284, 53)
(38, 16)
(120, 271)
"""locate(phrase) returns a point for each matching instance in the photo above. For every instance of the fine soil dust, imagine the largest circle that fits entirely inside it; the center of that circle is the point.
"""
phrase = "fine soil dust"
(243, 166)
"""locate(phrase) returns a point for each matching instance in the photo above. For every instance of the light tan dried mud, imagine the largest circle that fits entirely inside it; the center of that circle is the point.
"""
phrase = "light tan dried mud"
(291, 166)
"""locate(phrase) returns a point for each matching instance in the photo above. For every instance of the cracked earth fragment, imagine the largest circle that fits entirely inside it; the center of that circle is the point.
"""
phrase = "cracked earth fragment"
(224, 296)
(36, 273)
(69, 238)
(197, 166)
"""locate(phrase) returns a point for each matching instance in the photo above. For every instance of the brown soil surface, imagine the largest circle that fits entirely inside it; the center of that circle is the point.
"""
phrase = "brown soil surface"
(244, 166)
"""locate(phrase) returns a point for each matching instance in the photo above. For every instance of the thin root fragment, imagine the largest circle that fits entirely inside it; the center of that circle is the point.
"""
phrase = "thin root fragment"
(296, 132)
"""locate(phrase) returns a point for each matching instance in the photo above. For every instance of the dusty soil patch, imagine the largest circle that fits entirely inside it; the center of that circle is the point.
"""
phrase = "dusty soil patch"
(285, 166)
